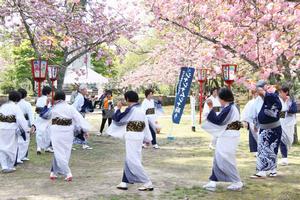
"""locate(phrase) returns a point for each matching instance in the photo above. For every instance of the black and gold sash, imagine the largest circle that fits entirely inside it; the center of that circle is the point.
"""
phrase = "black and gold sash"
(237, 125)
(135, 126)
(61, 121)
(8, 118)
(150, 111)
(282, 114)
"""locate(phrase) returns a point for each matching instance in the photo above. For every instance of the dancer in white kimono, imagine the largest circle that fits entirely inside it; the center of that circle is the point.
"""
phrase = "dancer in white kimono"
(226, 127)
(149, 108)
(64, 118)
(81, 137)
(12, 122)
(41, 124)
(217, 108)
(28, 114)
(132, 125)
(247, 118)
(288, 121)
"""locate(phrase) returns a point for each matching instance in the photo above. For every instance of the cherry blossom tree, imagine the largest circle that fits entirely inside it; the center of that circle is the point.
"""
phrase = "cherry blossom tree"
(262, 36)
(73, 26)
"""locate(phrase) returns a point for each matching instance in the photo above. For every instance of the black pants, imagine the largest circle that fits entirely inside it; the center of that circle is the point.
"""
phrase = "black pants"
(252, 143)
(103, 123)
(283, 150)
(153, 133)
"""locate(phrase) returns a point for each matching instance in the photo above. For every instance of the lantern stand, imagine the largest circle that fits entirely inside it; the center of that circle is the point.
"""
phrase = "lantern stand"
(202, 77)
(39, 71)
(53, 73)
(229, 71)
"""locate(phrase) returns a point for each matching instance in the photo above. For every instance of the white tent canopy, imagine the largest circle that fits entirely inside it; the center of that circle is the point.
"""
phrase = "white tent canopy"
(84, 75)
(80, 72)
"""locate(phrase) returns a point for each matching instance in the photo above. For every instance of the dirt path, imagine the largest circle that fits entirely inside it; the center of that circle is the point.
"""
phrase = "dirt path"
(177, 170)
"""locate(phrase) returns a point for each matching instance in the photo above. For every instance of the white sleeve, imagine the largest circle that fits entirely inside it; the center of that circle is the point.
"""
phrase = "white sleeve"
(206, 110)
(78, 103)
(80, 121)
(29, 113)
(21, 121)
(246, 115)
(144, 106)
(40, 103)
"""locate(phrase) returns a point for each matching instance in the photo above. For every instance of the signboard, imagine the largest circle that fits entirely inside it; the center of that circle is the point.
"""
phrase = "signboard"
(183, 89)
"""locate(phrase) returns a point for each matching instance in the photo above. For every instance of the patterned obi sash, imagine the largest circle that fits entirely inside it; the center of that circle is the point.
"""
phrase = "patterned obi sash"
(237, 125)
(150, 111)
(61, 121)
(8, 118)
(26, 117)
(217, 109)
(135, 126)
(282, 114)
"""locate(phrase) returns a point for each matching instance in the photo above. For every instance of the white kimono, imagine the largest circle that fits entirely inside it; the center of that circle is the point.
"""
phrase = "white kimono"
(224, 166)
(62, 135)
(246, 116)
(206, 110)
(149, 105)
(78, 102)
(8, 133)
(42, 126)
(287, 124)
(23, 145)
(252, 113)
(133, 169)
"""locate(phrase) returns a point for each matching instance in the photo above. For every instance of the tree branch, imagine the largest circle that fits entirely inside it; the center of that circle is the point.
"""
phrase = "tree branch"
(27, 28)
(212, 40)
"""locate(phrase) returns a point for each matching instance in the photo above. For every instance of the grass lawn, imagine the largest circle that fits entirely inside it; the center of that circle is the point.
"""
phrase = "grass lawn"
(178, 170)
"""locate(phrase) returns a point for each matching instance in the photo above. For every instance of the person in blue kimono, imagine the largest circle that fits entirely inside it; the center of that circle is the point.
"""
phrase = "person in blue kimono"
(269, 132)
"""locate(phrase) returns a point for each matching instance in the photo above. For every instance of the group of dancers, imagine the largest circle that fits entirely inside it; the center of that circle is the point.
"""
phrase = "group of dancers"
(58, 125)
(269, 117)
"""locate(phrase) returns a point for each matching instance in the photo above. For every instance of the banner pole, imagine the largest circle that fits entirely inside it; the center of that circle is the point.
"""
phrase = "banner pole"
(170, 136)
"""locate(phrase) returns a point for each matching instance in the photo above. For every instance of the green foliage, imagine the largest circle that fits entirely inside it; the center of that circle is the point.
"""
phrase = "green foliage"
(22, 56)
(139, 52)
(102, 68)
(19, 72)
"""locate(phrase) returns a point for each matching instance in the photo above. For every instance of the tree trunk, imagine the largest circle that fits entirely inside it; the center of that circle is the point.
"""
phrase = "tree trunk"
(62, 70)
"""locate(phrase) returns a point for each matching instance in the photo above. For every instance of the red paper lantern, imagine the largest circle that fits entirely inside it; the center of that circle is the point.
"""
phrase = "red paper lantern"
(39, 69)
(202, 74)
(229, 73)
(53, 72)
